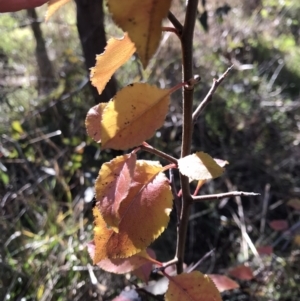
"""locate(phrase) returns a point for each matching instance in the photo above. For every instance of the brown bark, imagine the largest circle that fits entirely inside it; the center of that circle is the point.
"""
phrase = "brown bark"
(46, 74)
(90, 24)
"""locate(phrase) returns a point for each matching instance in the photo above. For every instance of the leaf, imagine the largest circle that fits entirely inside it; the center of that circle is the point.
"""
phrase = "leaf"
(53, 6)
(294, 203)
(16, 126)
(121, 265)
(144, 214)
(265, 250)
(199, 166)
(112, 187)
(241, 272)
(279, 225)
(134, 114)
(144, 271)
(143, 22)
(192, 287)
(223, 283)
(117, 52)
(93, 121)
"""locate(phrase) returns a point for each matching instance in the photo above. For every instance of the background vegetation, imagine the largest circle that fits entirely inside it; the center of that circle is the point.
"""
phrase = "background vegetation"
(48, 164)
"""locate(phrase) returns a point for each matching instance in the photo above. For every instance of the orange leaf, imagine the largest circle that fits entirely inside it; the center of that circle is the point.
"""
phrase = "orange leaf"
(223, 283)
(121, 265)
(279, 225)
(143, 22)
(192, 287)
(112, 187)
(199, 166)
(93, 121)
(117, 52)
(53, 6)
(134, 114)
(144, 214)
(241, 272)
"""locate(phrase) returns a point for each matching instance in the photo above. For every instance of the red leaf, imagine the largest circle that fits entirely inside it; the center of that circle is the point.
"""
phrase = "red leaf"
(279, 225)
(265, 250)
(144, 271)
(241, 272)
(223, 283)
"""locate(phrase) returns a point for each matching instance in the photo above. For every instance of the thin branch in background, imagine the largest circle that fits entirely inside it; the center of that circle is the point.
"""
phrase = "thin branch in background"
(208, 97)
(219, 196)
(177, 201)
(265, 208)
(193, 267)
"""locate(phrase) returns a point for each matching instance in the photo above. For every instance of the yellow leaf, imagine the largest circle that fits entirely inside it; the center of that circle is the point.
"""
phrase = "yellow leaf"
(143, 22)
(117, 52)
(16, 126)
(144, 214)
(199, 166)
(53, 6)
(93, 121)
(133, 116)
(192, 287)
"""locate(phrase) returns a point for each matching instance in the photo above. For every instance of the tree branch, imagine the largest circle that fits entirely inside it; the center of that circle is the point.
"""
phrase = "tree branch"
(188, 92)
(175, 23)
(210, 94)
(219, 196)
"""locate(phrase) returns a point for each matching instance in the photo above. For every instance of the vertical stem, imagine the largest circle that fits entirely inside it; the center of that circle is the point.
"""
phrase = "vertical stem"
(188, 92)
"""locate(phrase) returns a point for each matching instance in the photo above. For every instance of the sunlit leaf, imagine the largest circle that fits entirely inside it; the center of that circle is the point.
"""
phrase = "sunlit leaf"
(223, 283)
(192, 287)
(121, 265)
(53, 6)
(241, 272)
(117, 52)
(143, 22)
(199, 166)
(93, 121)
(112, 187)
(144, 214)
(279, 225)
(133, 116)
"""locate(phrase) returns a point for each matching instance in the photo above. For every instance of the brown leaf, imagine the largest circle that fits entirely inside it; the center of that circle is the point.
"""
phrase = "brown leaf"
(241, 272)
(223, 283)
(294, 203)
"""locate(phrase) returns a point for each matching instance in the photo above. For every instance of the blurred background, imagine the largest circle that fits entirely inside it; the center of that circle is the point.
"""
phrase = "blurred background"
(48, 164)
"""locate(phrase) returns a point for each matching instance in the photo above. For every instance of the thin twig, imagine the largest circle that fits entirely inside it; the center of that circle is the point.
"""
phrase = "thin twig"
(219, 196)
(147, 147)
(210, 94)
(193, 267)
(177, 201)
(176, 23)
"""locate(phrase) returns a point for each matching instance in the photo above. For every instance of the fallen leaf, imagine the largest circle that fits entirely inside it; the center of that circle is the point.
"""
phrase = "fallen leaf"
(223, 283)
(133, 116)
(143, 22)
(93, 121)
(279, 225)
(241, 272)
(53, 6)
(192, 287)
(199, 166)
(144, 215)
(130, 295)
(294, 203)
(265, 250)
(116, 53)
